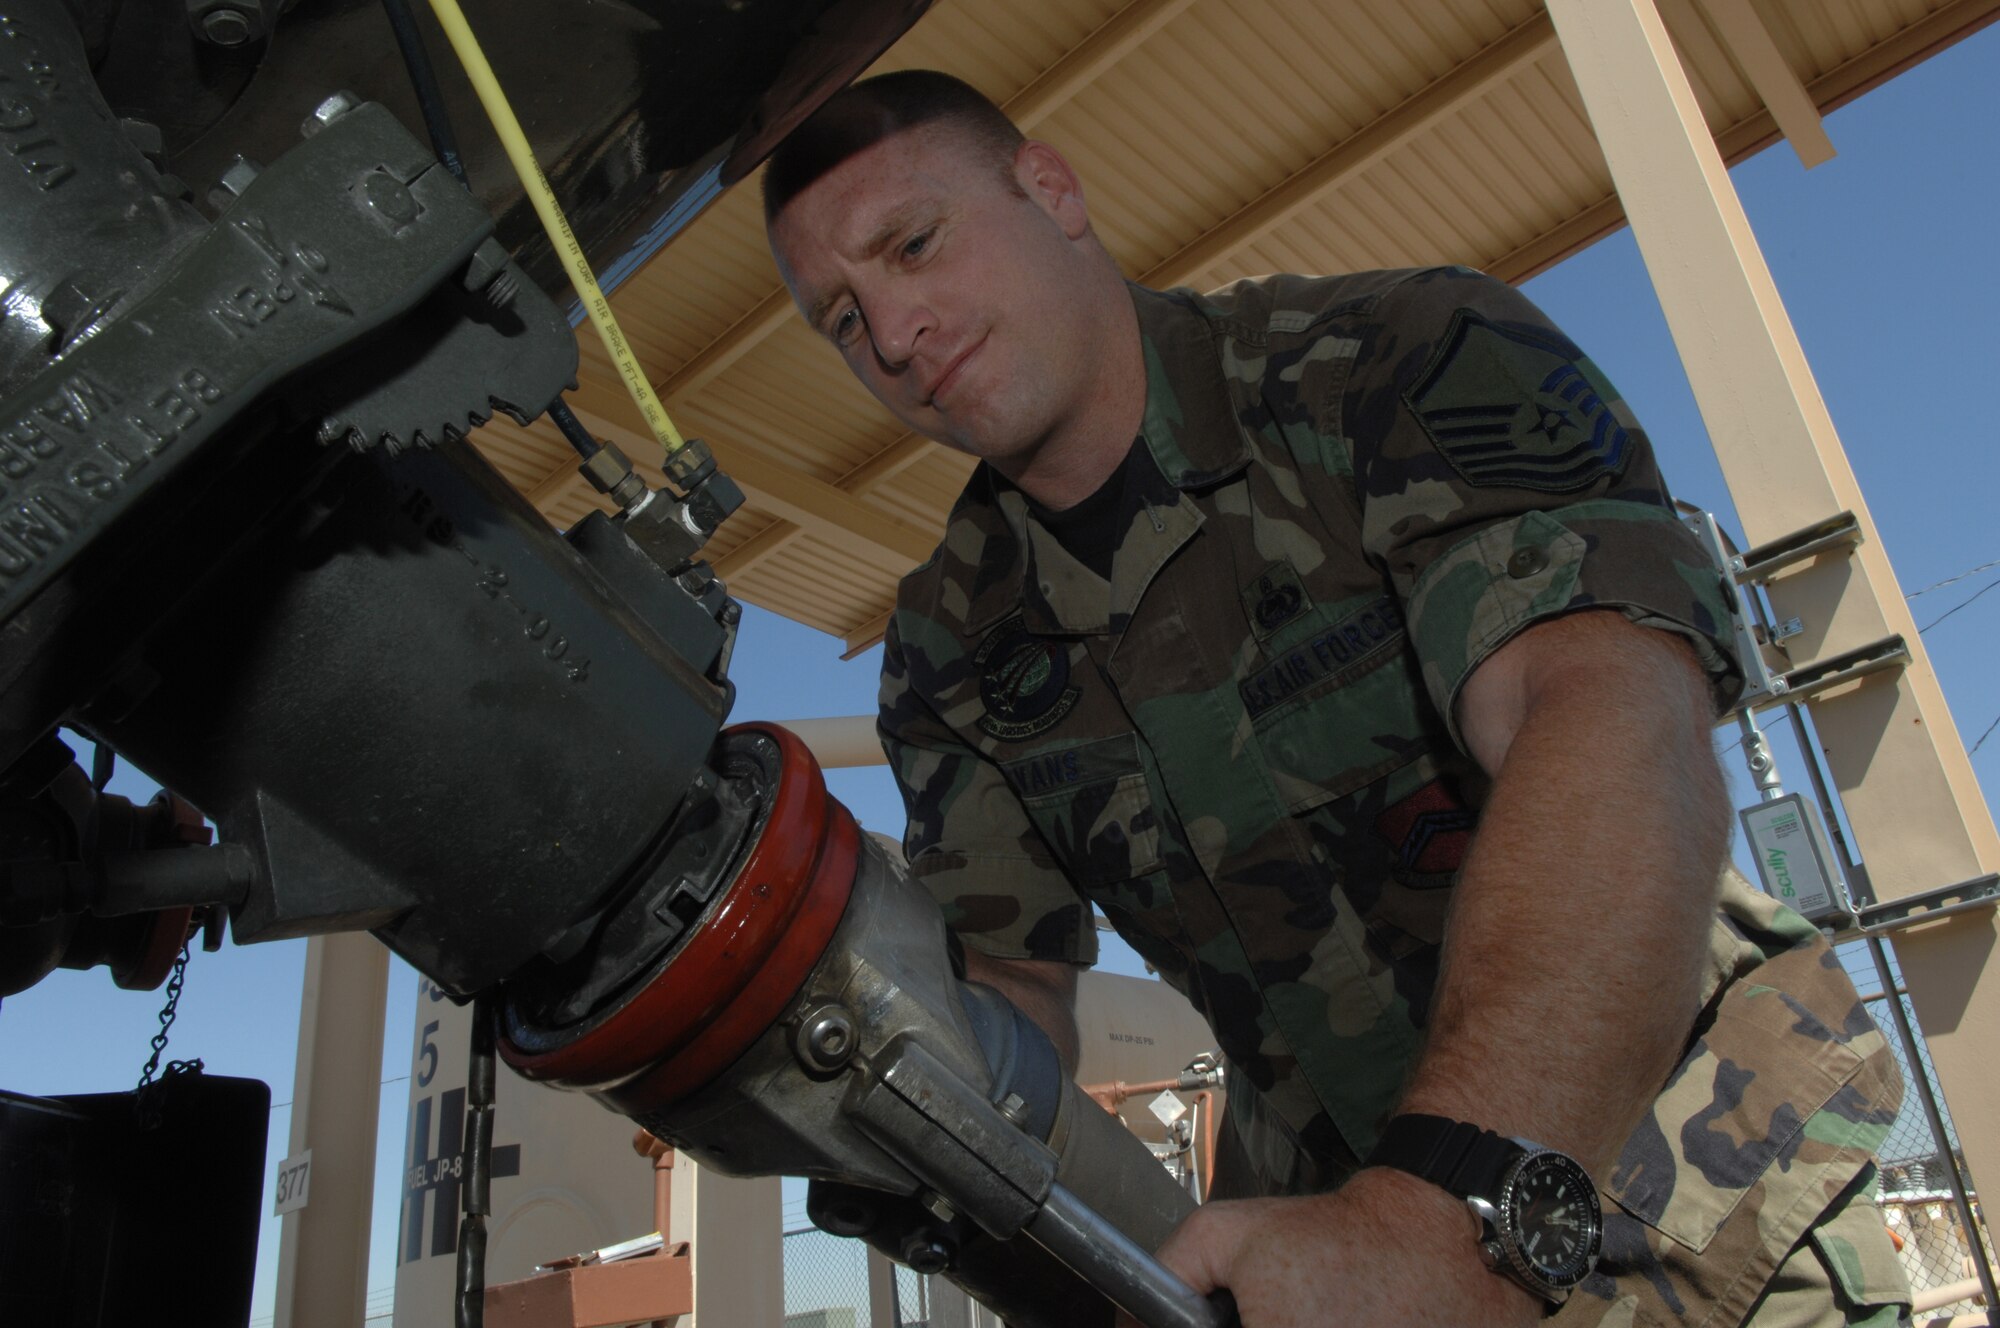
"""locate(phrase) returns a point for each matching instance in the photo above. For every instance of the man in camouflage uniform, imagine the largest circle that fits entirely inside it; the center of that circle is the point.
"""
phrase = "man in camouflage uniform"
(1387, 562)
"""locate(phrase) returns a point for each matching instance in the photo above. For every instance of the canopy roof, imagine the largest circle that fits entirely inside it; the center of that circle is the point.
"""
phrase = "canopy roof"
(1217, 139)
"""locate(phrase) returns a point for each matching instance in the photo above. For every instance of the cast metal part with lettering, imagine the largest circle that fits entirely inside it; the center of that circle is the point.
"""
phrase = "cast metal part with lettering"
(293, 273)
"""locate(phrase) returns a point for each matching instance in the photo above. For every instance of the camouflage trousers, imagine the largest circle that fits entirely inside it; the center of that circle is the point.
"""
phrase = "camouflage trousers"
(1843, 1273)
(1777, 1230)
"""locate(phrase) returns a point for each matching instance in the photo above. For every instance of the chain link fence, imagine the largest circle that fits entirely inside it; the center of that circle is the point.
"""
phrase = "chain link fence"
(826, 1286)
(1917, 1182)
(826, 1281)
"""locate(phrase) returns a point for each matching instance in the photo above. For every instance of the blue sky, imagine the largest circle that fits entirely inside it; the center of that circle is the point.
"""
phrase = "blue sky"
(1883, 258)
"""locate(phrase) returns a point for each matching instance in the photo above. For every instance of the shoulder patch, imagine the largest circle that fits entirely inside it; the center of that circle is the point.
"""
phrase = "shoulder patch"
(1507, 407)
(1023, 682)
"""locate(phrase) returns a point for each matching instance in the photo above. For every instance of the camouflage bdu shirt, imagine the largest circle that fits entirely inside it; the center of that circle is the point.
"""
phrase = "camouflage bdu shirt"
(1240, 747)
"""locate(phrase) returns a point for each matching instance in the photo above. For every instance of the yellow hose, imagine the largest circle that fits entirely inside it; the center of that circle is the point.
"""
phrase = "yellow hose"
(459, 32)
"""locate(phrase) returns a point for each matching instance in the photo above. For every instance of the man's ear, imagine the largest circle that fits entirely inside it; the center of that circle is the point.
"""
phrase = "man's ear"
(1049, 180)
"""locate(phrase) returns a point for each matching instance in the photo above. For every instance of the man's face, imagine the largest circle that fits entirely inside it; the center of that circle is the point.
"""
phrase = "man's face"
(965, 305)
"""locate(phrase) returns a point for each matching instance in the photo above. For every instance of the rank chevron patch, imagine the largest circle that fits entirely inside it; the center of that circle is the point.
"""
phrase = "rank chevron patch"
(1506, 407)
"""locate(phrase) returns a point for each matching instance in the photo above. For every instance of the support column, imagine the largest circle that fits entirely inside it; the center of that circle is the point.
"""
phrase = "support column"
(950, 1307)
(735, 1234)
(1889, 742)
(881, 1291)
(336, 1094)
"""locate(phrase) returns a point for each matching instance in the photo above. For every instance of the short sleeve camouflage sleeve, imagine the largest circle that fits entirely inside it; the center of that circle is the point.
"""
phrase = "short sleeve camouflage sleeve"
(969, 842)
(1503, 481)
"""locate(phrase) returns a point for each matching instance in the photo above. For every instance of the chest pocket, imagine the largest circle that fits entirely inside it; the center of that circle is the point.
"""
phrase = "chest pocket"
(1093, 806)
(1335, 704)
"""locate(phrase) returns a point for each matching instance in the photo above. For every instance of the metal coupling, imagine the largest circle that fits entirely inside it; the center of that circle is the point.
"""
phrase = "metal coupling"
(610, 472)
(826, 1038)
(664, 527)
(690, 464)
(712, 502)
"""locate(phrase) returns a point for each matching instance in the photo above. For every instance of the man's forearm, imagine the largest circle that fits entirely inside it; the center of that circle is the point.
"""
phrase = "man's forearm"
(1573, 956)
(1044, 990)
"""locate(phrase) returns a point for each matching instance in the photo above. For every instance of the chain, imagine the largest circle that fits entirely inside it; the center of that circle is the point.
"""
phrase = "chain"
(174, 984)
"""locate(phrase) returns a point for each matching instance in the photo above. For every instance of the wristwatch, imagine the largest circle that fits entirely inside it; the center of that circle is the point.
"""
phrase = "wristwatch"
(1540, 1222)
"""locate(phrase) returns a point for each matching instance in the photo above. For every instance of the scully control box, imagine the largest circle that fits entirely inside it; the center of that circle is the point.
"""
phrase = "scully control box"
(1794, 858)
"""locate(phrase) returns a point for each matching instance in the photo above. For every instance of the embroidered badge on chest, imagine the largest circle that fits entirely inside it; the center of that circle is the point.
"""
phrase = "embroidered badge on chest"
(1504, 407)
(1275, 598)
(1023, 682)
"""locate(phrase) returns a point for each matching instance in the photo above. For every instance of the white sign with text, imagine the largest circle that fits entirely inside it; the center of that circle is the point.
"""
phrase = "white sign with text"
(294, 1180)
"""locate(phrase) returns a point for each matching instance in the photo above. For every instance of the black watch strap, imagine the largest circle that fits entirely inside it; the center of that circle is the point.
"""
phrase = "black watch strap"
(1465, 1160)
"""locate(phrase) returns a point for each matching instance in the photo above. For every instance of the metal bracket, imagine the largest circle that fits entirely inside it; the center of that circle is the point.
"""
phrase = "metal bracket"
(1928, 906)
(1840, 531)
(1758, 680)
(1891, 652)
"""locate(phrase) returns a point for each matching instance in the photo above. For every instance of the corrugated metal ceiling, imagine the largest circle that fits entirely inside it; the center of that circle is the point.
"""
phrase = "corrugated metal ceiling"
(1216, 139)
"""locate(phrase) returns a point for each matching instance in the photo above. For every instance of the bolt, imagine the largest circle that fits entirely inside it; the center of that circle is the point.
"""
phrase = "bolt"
(324, 114)
(145, 136)
(225, 27)
(235, 180)
(937, 1206)
(387, 195)
(488, 275)
(1015, 1108)
(826, 1038)
(926, 1254)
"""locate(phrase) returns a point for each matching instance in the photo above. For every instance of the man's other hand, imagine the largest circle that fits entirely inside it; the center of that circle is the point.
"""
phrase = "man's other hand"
(1385, 1248)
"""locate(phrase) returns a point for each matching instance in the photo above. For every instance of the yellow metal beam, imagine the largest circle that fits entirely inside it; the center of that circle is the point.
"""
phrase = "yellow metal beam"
(1750, 44)
(323, 1246)
(1889, 743)
(867, 634)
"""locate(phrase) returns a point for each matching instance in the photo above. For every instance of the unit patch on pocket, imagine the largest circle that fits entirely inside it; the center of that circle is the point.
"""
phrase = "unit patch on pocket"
(1023, 682)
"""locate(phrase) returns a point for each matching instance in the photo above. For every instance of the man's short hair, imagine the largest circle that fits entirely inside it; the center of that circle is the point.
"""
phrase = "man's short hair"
(858, 117)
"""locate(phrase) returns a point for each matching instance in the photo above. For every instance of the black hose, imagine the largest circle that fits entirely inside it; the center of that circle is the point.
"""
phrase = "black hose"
(573, 430)
(437, 123)
(423, 77)
(475, 1190)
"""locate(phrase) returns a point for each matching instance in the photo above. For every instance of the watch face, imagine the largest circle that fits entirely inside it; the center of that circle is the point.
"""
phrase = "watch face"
(1551, 1210)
